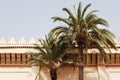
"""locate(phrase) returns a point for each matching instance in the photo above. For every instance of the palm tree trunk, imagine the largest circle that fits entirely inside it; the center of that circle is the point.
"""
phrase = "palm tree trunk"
(81, 76)
(53, 74)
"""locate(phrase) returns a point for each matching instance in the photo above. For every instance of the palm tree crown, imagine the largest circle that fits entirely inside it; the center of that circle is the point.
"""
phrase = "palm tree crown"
(50, 53)
(83, 29)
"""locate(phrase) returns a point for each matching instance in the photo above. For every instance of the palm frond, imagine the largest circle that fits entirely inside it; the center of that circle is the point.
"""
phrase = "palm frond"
(90, 18)
(65, 20)
(85, 9)
(109, 38)
(79, 12)
(100, 48)
(101, 22)
(90, 13)
(71, 16)
(58, 30)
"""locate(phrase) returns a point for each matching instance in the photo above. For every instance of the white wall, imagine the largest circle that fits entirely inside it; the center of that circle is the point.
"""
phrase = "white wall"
(16, 73)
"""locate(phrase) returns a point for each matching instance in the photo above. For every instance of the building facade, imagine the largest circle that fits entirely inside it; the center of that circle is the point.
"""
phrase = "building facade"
(14, 63)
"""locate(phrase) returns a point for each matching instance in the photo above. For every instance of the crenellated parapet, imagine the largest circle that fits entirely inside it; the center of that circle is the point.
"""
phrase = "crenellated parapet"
(16, 46)
(14, 41)
(22, 45)
(32, 40)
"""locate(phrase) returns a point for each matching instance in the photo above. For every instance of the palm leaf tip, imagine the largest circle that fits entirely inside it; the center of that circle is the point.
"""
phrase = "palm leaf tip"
(102, 22)
(79, 11)
(85, 9)
(68, 11)
(64, 9)
(54, 19)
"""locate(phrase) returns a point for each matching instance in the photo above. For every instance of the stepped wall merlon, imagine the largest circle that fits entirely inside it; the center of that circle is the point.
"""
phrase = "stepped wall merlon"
(23, 46)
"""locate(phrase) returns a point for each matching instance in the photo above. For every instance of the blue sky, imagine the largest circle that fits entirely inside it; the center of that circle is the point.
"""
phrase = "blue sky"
(32, 18)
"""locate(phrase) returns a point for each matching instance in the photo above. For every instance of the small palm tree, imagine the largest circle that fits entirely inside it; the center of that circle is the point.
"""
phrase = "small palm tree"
(84, 32)
(51, 52)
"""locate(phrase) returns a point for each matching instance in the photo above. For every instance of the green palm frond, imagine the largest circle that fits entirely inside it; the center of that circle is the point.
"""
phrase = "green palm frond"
(36, 59)
(85, 9)
(96, 30)
(90, 14)
(41, 50)
(91, 18)
(101, 49)
(59, 30)
(70, 59)
(109, 38)
(101, 22)
(65, 20)
(71, 16)
(79, 12)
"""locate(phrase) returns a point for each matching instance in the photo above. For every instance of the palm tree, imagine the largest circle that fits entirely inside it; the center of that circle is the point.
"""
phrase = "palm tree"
(50, 53)
(85, 32)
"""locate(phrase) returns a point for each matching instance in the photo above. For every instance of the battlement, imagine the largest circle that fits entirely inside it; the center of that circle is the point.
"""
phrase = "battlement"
(14, 41)
(32, 40)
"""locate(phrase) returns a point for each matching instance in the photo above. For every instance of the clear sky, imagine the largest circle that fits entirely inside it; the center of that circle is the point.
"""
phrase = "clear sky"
(32, 18)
